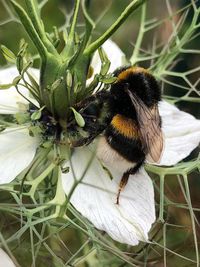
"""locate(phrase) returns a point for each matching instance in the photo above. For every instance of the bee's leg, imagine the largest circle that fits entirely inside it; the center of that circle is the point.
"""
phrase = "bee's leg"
(100, 96)
(124, 179)
(84, 102)
(122, 184)
(83, 141)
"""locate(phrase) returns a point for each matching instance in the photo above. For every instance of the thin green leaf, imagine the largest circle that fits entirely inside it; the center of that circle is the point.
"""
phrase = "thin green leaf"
(8, 54)
(5, 86)
(9, 85)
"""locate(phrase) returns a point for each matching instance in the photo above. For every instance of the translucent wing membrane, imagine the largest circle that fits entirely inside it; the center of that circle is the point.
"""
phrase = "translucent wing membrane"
(150, 129)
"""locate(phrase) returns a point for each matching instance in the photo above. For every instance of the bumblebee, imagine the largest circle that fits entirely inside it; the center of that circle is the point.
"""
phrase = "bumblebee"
(127, 119)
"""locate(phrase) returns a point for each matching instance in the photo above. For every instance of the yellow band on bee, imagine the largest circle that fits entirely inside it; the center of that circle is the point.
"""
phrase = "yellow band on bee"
(124, 74)
(125, 126)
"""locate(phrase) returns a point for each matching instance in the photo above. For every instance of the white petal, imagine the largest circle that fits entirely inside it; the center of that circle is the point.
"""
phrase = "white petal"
(5, 261)
(127, 222)
(115, 55)
(11, 101)
(181, 131)
(17, 149)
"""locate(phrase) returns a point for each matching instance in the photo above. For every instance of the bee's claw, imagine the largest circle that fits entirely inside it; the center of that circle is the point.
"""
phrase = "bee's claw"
(118, 195)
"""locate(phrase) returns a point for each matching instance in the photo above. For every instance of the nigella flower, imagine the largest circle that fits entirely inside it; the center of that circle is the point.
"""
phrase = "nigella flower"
(95, 196)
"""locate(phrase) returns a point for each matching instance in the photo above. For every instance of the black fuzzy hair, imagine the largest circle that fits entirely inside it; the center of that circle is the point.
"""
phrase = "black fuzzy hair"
(143, 84)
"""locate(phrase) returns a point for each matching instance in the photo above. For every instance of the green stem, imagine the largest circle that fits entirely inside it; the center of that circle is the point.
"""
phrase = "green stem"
(33, 13)
(124, 15)
(170, 52)
(86, 15)
(89, 23)
(161, 210)
(60, 196)
(134, 56)
(32, 246)
(27, 23)
(68, 51)
(5, 245)
(39, 179)
(164, 245)
(75, 15)
(185, 178)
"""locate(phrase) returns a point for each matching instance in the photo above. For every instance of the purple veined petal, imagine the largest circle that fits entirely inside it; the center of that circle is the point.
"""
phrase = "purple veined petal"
(5, 260)
(115, 55)
(95, 198)
(11, 101)
(181, 131)
(17, 150)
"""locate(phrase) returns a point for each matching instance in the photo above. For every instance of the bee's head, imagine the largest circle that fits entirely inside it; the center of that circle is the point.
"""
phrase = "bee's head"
(138, 81)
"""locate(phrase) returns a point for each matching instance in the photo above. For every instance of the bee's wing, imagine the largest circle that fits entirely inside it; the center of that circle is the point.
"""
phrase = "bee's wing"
(149, 125)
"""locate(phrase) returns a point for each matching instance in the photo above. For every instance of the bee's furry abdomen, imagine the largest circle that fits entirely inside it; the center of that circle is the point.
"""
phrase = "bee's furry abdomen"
(125, 126)
(129, 148)
(111, 157)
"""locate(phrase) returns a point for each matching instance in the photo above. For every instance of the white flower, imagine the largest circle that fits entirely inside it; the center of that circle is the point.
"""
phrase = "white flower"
(5, 261)
(95, 196)
(11, 101)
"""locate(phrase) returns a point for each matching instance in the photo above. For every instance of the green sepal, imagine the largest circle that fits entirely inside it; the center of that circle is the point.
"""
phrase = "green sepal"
(35, 131)
(105, 68)
(19, 63)
(22, 118)
(107, 80)
(5, 86)
(36, 115)
(8, 54)
(21, 55)
(105, 63)
(78, 117)
(56, 39)
(9, 85)
(46, 144)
